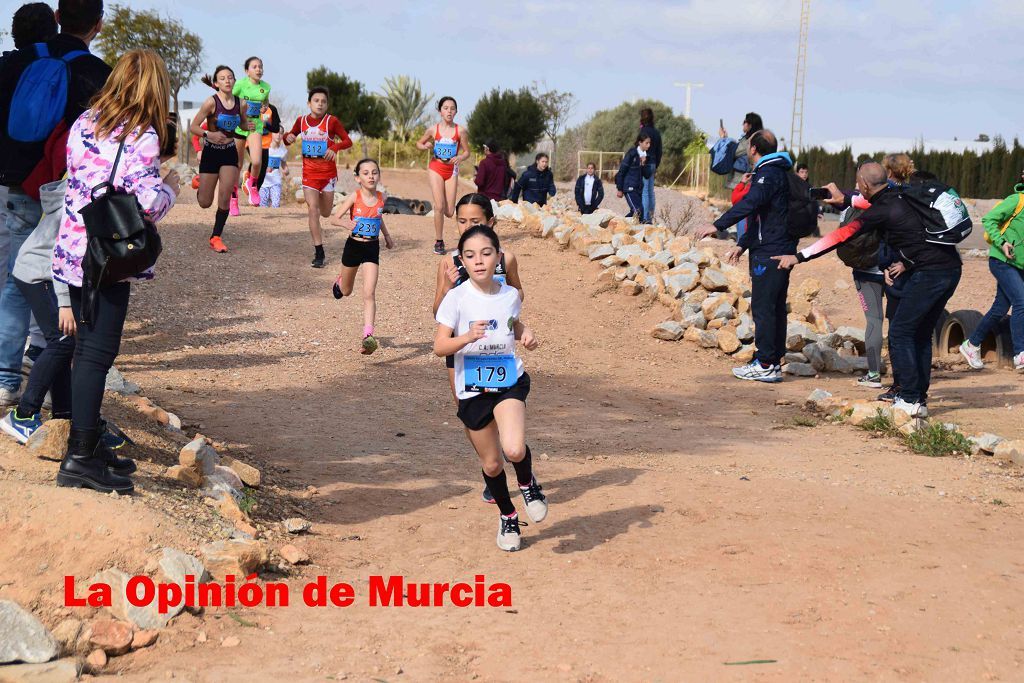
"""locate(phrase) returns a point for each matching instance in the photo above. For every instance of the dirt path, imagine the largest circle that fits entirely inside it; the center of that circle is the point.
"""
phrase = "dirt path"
(693, 523)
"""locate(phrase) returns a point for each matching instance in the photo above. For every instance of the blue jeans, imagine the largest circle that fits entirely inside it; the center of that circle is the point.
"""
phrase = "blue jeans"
(648, 193)
(910, 331)
(23, 214)
(1009, 293)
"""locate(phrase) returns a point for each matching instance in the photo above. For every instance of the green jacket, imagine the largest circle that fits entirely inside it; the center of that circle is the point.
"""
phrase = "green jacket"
(993, 221)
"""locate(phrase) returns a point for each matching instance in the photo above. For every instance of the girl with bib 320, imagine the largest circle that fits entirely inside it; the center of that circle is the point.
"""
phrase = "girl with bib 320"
(448, 146)
(479, 324)
(364, 209)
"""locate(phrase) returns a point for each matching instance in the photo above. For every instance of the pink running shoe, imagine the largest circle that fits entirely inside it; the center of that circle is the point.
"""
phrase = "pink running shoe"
(233, 207)
(254, 194)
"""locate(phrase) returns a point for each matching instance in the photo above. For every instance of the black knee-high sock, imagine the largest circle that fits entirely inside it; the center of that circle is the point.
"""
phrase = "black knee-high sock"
(219, 222)
(499, 489)
(524, 469)
(318, 250)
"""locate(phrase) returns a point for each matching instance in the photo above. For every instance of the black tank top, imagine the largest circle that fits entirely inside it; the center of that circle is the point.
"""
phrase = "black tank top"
(220, 110)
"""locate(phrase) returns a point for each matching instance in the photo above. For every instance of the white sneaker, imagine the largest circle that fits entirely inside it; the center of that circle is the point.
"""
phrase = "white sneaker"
(871, 380)
(9, 398)
(509, 539)
(754, 371)
(911, 409)
(536, 502)
(973, 355)
(1018, 361)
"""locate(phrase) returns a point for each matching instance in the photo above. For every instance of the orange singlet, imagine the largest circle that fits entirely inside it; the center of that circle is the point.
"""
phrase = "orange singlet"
(445, 149)
(368, 218)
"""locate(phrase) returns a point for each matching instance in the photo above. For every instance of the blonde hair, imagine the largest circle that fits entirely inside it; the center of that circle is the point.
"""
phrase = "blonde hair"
(137, 94)
(898, 166)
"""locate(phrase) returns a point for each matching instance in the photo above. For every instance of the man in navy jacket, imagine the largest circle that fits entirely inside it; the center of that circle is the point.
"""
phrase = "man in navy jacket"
(536, 182)
(589, 180)
(766, 206)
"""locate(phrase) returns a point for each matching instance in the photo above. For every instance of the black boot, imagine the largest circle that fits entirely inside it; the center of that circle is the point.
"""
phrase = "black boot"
(84, 467)
(117, 465)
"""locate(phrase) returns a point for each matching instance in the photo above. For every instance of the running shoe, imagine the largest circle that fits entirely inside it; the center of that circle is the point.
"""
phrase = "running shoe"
(973, 355)
(1018, 361)
(195, 182)
(233, 207)
(369, 344)
(439, 247)
(756, 372)
(486, 496)
(254, 194)
(112, 436)
(536, 502)
(509, 538)
(336, 290)
(318, 262)
(217, 244)
(871, 380)
(20, 428)
(890, 394)
(911, 409)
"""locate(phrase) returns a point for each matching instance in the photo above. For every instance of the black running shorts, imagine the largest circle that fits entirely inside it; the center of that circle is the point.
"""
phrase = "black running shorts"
(358, 252)
(216, 156)
(477, 412)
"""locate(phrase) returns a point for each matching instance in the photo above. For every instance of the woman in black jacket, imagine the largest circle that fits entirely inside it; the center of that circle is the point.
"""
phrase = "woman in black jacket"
(629, 181)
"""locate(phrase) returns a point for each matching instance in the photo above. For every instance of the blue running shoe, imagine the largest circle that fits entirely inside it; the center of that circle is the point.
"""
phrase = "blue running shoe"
(112, 436)
(20, 428)
(487, 496)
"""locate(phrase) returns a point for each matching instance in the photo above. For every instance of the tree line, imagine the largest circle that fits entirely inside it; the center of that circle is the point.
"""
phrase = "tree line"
(989, 174)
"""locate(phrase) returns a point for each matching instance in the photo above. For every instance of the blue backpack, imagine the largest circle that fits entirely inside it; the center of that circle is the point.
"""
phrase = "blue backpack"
(723, 156)
(41, 96)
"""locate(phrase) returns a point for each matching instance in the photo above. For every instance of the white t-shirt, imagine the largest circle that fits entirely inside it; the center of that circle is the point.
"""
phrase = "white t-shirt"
(274, 174)
(492, 361)
(588, 189)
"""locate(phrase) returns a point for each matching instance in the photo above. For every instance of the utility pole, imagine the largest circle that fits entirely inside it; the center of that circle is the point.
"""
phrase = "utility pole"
(796, 131)
(689, 94)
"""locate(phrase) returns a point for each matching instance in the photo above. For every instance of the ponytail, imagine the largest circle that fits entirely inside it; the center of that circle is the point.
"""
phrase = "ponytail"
(212, 80)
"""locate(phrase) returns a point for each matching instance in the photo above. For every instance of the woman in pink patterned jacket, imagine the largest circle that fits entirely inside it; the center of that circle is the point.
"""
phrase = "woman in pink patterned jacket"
(131, 108)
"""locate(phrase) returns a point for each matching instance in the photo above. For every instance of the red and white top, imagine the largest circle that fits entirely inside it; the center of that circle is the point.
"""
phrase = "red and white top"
(319, 135)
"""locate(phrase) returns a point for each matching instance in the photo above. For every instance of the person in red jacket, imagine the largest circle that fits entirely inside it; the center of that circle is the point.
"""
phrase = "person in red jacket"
(492, 173)
(323, 136)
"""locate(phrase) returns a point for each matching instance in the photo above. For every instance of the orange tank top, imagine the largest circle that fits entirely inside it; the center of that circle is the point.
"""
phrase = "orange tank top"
(368, 218)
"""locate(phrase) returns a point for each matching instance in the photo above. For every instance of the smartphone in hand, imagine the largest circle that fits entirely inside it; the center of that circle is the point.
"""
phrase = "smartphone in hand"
(170, 146)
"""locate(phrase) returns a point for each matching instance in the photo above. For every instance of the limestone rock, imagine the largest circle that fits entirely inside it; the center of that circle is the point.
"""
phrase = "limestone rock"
(834, 362)
(144, 617)
(719, 306)
(851, 334)
(51, 440)
(509, 212)
(294, 555)
(117, 383)
(60, 671)
(695, 319)
(228, 508)
(663, 257)
(600, 251)
(868, 410)
(249, 475)
(795, 357)
(813, 353)
(630, 288)
(296, 525)
(96, 661)
(612, 261)
(234, 556)
(176, 565)
(745, 329)
(144, 638)
(799, 370)
(714, 280)
(669, 330)
(23, 638)
(1010, 450)
(987, 442)
(728, 341)
(798, 335)
(66, 633)
(677, 284)
(716, 324)
(111, 636)
(708, 340)
(808, 289)
(819, 399)
(185, 475)
(199, 455)
(600, 217)
(745, 353)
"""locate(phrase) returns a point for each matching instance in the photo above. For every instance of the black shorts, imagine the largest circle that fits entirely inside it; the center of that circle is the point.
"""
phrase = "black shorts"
(449, 362)
(216, 156)
(358, 252)
(477, 412)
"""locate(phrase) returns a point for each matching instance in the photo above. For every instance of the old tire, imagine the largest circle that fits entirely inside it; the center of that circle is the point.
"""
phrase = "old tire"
(937, 349)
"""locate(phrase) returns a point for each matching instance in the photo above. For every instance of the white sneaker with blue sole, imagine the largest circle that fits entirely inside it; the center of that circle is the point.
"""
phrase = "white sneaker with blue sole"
(755, 372)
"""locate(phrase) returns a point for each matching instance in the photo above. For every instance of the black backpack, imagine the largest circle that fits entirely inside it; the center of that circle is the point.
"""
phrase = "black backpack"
(802, 219)
(860, 252)
(943, 213)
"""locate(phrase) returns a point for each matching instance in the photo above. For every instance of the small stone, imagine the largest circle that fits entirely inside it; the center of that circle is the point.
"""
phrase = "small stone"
(231, 641)
(600, 251)
(714, 280)
(66, 633)
(237, 557)
(795, 357)
(819, 399)
(708, 340)
(175, 565)
(199, 455)
(799, 369)
(987, 442)
(798, 335)
(1010, 450)
(113, 637)
(60, 671)
(249, 475)
(669, 330)
(201, 637)
(184, 475)
(296, 525)
(144, 638)
(24, 638)
(868, 410)
(96, 660)
(50, 441)
(117, 383)
(228, 508)
(745, 353)
(246, 528)
(293, 554)
(808, 289)
(728, 341)
(630, 288)
(813, 353)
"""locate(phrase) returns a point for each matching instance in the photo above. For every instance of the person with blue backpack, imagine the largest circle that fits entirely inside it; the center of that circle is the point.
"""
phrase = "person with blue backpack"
(44, 88)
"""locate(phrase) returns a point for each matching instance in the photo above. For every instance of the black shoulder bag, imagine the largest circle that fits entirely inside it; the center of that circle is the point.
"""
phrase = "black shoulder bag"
(121, 240)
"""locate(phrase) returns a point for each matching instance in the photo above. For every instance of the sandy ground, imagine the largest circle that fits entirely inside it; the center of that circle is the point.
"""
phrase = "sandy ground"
(694, 524)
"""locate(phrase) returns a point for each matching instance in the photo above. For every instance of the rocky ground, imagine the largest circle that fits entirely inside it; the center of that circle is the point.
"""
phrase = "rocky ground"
(700, 527)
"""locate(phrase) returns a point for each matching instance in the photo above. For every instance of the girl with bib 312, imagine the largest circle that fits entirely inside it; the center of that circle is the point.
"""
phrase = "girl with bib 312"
(361, 212)
(448, 146)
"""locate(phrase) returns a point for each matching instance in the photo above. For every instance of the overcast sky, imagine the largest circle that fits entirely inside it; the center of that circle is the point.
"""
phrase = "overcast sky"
(896, 68)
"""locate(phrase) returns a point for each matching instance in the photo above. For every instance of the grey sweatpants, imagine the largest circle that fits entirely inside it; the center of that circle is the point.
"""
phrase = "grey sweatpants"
(870, 295)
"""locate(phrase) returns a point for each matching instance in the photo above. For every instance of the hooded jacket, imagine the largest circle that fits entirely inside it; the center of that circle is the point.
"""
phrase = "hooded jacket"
(766, 206)
(492, 177)
(993, 221)
(535, 186)
(35, 258)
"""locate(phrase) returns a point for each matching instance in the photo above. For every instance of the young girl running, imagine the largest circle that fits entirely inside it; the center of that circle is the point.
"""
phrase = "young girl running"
(254, 91)
(277, 167)
(448, 146)
(218, 165)
(364, 209)
(323, 136)
(472, 209)
(479, 323)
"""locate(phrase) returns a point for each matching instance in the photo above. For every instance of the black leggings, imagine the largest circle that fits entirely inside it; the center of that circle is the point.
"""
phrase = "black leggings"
(52, 370)
(263, 169)
(97, 347)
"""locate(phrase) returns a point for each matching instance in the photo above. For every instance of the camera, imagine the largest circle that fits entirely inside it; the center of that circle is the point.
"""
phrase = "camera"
(819, 193)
